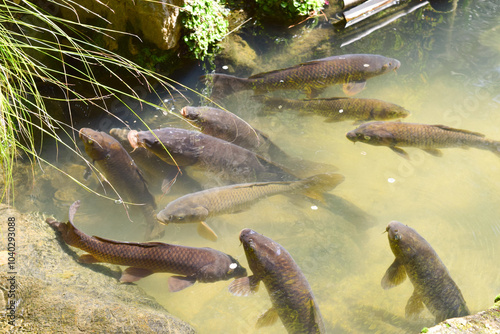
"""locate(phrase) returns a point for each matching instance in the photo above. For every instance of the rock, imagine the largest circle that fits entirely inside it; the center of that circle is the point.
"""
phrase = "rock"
(154, 22)
(485, 322)
(55, 293)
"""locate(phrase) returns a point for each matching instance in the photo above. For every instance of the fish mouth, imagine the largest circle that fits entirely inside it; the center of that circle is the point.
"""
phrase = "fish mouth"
(245, 235)
(132, 139)
(351, 135)
(184, 112)
(393, 231)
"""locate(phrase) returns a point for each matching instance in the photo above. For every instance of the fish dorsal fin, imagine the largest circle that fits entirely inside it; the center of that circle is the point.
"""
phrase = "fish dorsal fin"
(138, 244)
(394, 275)
(268, 318)
(447, 128)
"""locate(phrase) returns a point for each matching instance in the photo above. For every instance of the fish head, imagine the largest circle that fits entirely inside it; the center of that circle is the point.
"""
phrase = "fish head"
(372, 133)
(261, 252)
(191, 113)
(174, 146)
(392, 112)
(405, 242)
(180, 213)
(390, 64)
(97, 143)
(222, 267)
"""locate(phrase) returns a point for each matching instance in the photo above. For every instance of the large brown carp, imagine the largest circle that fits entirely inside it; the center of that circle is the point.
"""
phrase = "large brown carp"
(222, 159)
(292, 297)
(429, 138)
(198, 206)
(338, 109)
(123, 174)
(194, 264)
(229, 127)
(312, 77)
(433, 285)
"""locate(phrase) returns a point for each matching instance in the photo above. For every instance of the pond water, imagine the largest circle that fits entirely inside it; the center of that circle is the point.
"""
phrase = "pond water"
(450, 74)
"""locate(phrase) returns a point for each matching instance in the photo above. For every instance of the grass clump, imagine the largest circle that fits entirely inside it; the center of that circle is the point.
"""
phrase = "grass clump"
(38, 49)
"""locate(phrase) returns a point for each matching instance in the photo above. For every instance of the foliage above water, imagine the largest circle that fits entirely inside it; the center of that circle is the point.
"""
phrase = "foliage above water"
(207, 21)
(41, 52)
(288, 10)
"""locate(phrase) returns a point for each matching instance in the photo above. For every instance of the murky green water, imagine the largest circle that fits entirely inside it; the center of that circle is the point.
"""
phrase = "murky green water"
(450, 75)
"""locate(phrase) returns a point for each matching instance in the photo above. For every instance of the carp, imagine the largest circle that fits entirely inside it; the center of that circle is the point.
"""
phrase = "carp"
(312, 77)
(229, 162)
(433, 285)
(143, 259)
(291, 296)
(229, 127)
(338, 109)
(122, 173)
(429, 138)
(198, 206)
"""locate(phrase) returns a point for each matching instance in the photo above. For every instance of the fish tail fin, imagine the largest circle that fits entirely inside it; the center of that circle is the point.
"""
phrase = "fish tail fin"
(495, 148)
(318, 184)
(223, 84)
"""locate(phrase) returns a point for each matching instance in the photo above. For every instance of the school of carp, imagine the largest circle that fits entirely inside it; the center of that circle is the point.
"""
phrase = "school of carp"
(247, 167)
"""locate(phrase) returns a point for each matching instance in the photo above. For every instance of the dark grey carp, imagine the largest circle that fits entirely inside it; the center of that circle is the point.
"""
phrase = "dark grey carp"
(429, 138)
(222, 159)
(312, 77)
(122, 173)
(291, 296)
(338, 109)
(433, 285)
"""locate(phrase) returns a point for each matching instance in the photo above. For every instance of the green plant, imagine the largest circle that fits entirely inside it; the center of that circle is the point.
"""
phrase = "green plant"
(39, 49)
(207, 22)
(289, 9)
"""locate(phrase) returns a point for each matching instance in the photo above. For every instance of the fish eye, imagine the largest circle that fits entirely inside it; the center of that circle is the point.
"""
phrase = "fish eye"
(367, 137)
(180, 217)
(90, 141)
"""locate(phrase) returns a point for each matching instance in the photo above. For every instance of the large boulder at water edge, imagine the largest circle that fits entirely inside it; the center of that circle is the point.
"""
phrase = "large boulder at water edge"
(53, 293)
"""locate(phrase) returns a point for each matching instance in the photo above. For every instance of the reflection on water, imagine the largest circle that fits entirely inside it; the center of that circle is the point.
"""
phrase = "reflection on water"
(450, 74)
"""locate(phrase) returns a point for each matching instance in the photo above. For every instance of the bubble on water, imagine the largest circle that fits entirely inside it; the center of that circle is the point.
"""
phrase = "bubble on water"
(314, 207)
(225, 67)
(363, 153)
(391, 180)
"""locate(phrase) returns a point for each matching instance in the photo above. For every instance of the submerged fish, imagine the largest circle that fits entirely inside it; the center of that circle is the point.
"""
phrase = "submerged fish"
(122, 173)
(338, 109)
(426, 137)
(229, 127)
(433, 286)
(292, 297)
(197, 207)
(223, 159)
(194, 264)
(311, 77)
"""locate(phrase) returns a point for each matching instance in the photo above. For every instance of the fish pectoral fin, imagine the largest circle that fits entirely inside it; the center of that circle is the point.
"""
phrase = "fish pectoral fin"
(133, 274)
(353, 88)
(178, 283)
(313, 92)
(206, 232)
(400, 152)
(267, 318)
(395, 275)
(414, 306)
(88, 258)
(244, 286)
(433, 151)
